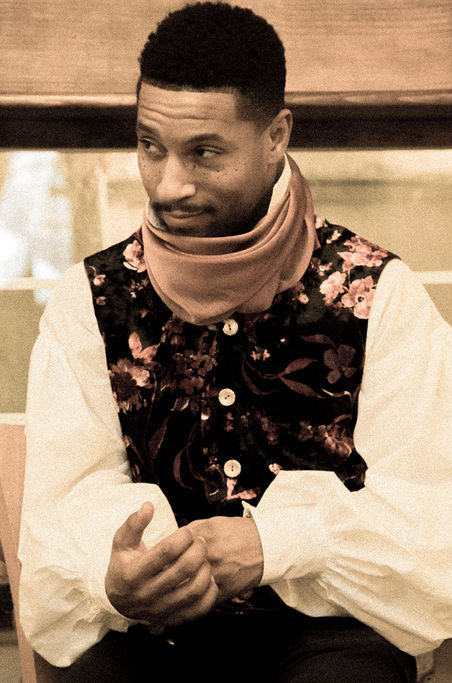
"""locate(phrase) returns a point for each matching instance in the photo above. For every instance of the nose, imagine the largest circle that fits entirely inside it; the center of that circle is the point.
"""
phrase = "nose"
(175, 182)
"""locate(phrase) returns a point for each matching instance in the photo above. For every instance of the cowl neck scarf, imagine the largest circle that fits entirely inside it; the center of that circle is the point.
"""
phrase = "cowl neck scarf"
(204, 280)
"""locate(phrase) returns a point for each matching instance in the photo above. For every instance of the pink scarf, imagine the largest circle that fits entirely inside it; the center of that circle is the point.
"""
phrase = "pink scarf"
(204, 280)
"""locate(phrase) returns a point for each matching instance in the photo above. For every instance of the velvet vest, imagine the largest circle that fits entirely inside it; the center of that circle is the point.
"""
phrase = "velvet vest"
(212, 413)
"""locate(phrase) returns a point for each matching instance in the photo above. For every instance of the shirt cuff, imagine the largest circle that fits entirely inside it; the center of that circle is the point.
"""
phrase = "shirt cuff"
(101, 605)
(294, 541)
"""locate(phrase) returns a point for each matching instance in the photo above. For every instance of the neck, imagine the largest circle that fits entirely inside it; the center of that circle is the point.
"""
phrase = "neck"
(262, 207)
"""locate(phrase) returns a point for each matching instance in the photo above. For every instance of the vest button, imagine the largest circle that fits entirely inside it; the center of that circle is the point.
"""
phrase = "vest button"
(226, 397)
(230, 327)
(232, 468)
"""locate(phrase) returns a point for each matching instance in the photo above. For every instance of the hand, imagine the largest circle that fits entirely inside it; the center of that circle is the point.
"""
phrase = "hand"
(234, 552)
(166, 585)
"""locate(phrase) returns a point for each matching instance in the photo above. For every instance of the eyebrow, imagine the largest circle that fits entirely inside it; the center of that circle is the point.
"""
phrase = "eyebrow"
(196, 139)
(141, 128)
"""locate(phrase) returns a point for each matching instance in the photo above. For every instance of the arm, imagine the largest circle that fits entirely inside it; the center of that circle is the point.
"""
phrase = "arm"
(78, 490)
(234, 552)
(382, 554)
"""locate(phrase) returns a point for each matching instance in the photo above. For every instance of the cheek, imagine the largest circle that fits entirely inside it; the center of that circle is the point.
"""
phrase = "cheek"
(231, 185)
(141, 166)
(148, 175)
(241, 192)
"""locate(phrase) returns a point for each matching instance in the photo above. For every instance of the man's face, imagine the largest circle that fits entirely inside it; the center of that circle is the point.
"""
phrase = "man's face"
(207, 173)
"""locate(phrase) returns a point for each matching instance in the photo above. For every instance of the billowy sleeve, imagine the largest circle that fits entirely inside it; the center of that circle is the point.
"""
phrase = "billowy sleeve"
(78, 489)
(382, 554)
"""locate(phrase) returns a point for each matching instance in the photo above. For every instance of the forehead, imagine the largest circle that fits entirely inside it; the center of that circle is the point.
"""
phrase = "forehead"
(174, 109)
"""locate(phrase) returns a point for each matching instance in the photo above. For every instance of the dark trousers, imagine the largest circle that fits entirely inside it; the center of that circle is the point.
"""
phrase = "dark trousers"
(260, 647)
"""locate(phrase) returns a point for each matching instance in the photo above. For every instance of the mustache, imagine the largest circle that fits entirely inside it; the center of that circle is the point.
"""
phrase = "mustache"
(159, 207)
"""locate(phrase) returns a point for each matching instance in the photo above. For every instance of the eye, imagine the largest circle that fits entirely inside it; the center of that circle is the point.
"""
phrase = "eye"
(207, 152)
(150, 146)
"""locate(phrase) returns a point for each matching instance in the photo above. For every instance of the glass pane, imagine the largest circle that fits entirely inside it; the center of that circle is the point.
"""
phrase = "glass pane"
(56, 208)
(402, 200)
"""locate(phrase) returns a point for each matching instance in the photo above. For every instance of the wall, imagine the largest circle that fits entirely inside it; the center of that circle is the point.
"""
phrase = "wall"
(74, 47)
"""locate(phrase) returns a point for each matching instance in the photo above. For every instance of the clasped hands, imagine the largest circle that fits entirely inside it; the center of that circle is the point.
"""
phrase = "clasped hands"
(183, 576)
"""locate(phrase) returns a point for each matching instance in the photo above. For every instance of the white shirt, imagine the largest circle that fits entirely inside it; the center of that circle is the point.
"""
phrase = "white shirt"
(382, 554)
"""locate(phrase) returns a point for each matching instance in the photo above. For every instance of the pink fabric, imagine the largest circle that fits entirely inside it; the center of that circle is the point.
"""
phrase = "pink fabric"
(206, 279)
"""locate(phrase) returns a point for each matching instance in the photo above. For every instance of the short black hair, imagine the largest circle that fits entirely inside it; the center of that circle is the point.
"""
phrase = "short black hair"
(219, 47)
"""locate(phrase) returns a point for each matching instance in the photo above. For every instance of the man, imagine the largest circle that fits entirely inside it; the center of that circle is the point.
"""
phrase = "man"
(205, 497)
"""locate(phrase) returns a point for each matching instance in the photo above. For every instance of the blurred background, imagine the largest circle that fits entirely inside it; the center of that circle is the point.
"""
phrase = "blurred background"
(58, 207)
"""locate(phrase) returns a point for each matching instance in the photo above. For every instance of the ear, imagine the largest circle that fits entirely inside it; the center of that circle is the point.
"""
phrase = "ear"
(278, 132)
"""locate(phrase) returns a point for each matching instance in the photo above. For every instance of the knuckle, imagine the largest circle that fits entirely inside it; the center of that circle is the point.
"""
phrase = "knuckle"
(214, 590)
(175, 545)
(200, 583)
(127, 575)
(201, 546)
(124, 531)
(206, 605)
(185, 568)
(204, 528)
(198, 589)
(185, 537)
(129, 579)
(196, 556)
(129, 524)
(181, 573)
(163, 554)
(117, 539)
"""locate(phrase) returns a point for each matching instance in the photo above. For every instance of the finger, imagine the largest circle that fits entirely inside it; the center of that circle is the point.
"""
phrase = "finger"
(182, 597)
(129, 535)
(201, 527)
(197, 525)
(180, 570)
(192, 591)
(164, 554)
(194, 607)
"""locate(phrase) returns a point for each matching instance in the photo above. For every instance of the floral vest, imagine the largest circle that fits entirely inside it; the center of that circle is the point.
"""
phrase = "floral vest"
(212, 413)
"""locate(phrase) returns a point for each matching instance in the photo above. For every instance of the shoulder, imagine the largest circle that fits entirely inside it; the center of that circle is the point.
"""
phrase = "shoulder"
(70, 294)
(403, 312)
(69, 314)
(353, 249)
(124, 257)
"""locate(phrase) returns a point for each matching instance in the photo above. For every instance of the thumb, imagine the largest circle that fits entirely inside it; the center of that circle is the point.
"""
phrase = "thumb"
(130, 533)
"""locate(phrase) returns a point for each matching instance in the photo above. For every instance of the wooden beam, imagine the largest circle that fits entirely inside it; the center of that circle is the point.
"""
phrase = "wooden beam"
(79, 47)
(402, 119)
(372, 120)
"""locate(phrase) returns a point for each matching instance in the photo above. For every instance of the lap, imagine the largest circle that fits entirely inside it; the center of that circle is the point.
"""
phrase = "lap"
(285, 647)
(333, 650)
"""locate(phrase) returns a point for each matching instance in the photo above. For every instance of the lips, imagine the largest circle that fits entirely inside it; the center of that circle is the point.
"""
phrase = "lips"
(182, 215)
(185, 222)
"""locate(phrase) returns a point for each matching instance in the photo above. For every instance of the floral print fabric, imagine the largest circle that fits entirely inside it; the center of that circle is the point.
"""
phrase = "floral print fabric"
(293, 372)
